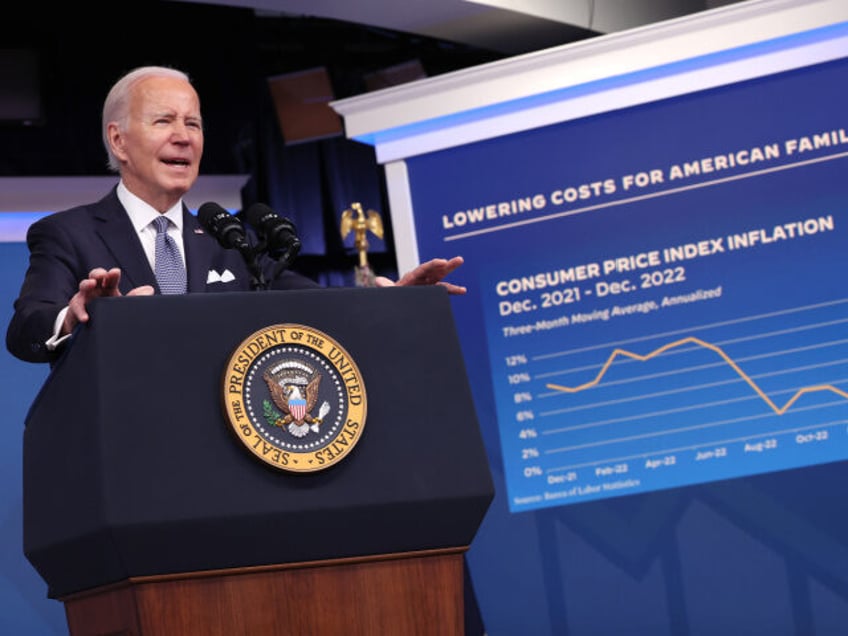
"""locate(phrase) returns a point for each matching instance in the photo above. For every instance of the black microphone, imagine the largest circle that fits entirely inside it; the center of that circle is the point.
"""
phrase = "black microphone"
(278, 233)
(225, 227)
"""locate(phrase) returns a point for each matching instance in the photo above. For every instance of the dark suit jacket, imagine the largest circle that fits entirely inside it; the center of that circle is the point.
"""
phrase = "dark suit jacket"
(64, 247)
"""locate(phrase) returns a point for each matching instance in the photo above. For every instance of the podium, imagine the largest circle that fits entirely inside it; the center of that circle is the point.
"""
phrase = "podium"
(146, 515)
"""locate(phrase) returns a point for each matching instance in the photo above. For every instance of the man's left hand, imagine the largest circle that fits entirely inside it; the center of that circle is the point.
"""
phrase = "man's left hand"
(432, 272)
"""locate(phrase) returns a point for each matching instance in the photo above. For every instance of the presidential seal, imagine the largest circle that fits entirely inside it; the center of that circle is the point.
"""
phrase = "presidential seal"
(295, 398)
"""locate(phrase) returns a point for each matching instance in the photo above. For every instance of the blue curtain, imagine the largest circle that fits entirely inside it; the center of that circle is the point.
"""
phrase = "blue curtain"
(312, 183)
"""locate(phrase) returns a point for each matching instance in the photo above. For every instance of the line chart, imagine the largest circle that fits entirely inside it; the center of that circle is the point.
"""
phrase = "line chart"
(779, 410)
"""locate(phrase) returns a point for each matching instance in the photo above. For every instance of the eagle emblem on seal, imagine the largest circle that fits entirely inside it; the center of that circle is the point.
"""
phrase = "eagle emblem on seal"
(293, 386)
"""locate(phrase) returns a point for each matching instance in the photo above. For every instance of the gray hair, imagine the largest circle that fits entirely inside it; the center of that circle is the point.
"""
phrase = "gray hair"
(116, 108)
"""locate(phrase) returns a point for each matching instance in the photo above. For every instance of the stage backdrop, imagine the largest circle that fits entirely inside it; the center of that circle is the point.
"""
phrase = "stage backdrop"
(24, 607)
(655, 327)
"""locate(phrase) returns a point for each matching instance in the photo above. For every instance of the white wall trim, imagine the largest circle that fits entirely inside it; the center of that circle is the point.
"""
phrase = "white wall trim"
(485, 101)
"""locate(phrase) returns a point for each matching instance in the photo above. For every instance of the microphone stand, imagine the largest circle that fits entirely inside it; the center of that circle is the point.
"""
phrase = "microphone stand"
(257, 278)
(283, 260)
(283, 257)
(286, 258)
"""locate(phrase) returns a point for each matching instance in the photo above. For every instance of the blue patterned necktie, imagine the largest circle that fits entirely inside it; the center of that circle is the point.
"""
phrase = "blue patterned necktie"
(170, 272)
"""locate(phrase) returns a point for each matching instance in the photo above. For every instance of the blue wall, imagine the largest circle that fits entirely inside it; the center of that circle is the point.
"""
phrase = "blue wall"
(25, 609)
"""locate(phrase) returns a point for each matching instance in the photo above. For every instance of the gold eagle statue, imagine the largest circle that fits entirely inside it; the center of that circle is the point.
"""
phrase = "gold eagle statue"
(360, 223)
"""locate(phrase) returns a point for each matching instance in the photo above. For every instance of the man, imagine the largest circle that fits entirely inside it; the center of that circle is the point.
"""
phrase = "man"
(153, 134)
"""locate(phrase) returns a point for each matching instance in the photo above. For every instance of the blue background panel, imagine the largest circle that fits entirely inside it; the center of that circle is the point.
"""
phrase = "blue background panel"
(700, 444)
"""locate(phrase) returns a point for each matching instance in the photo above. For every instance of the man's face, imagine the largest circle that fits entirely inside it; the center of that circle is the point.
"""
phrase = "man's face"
(161, 146)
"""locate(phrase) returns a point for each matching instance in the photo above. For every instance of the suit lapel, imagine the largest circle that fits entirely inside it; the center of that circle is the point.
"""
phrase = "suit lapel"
(119, 236)
(199, 252)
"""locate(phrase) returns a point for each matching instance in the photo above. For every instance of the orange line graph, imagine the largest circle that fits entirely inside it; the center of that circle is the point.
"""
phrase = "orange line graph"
(779, 410)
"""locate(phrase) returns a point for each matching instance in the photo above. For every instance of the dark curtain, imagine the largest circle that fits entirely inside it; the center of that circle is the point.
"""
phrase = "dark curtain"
(312, 183)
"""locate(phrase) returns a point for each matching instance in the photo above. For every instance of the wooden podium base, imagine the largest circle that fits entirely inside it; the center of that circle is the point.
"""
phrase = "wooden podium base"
(412, 594)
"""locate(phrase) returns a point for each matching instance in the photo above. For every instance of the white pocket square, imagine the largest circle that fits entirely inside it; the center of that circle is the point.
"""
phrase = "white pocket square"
(214, 277)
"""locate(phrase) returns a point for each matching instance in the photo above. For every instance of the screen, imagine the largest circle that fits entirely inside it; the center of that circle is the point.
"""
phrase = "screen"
(658, 290)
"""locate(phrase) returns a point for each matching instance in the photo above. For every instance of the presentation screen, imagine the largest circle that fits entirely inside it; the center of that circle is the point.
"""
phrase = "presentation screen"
(657, 294)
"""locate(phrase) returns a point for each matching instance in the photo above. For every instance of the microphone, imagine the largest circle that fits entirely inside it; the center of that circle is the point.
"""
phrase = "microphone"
(278, 233)
(225, 227)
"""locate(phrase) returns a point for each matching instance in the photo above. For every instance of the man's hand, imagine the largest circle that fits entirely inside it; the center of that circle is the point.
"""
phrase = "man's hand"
(430, 273)
(100, 283)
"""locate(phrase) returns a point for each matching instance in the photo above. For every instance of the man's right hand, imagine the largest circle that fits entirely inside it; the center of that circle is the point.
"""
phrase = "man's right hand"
(100, 283)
